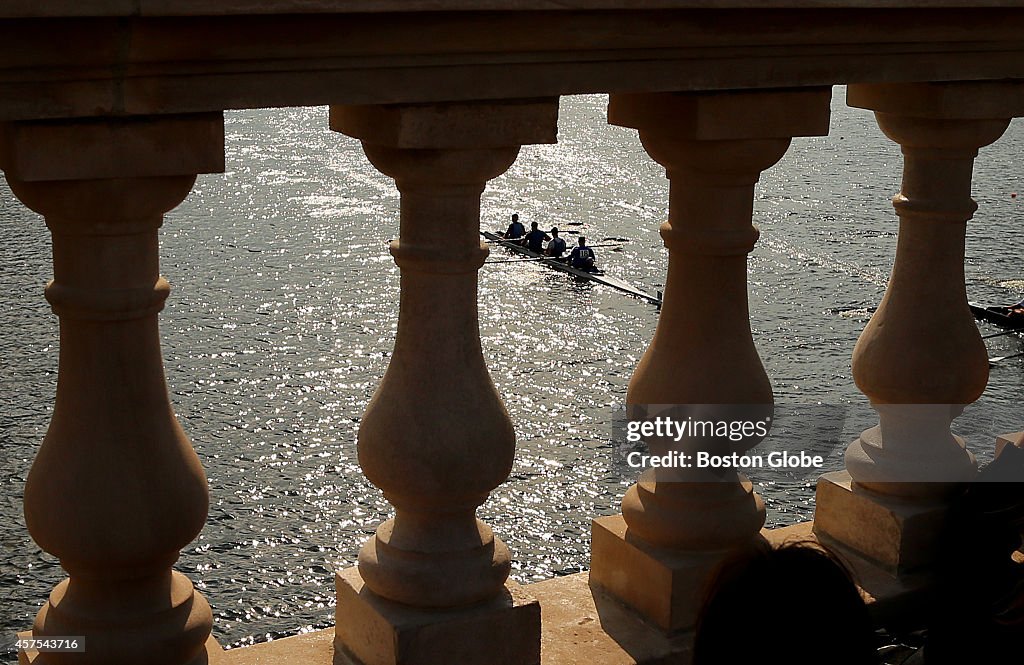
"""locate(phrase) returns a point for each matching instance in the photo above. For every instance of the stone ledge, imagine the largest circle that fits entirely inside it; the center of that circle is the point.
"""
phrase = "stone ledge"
(584, 625)
(436, 56)
(309, 648)
(579, 626)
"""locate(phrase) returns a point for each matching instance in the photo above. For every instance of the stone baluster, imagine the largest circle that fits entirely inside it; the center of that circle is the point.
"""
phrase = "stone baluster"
(658, 554)
(116, 489)
(920, 359)
(436, 437)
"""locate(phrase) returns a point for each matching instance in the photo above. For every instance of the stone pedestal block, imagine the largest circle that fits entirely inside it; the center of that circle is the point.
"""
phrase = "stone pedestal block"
(898, 535)
(666, 586)
(373, 631)
(1015, 439)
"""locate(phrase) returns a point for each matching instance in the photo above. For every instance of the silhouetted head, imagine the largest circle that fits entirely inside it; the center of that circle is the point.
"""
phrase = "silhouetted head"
(583, 241)
(795, 604)
(533, 225)
(554, 231)
(977, 606)
(515, 217)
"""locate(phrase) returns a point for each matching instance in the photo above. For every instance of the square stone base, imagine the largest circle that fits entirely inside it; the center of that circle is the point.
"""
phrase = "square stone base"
(370, 630)
(666, 587)
(1015, 439)
(900, 537)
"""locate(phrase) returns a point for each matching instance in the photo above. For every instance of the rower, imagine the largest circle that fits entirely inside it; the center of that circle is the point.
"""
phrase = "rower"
(582, 257)
(1016, 309)
(556, 248)
(535, 239)
(516, 229)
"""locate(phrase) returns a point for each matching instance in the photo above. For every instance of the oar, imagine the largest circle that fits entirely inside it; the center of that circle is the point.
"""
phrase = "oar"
(618, 248)
(536, 258)
(1005, 332)
(518, 241)
(993, 361)
(839, 310)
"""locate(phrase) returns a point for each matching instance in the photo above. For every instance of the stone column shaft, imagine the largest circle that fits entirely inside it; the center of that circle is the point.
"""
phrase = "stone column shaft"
(116, 489)
(676, 527)
(920, 359)
(702, 351)
(436, 437)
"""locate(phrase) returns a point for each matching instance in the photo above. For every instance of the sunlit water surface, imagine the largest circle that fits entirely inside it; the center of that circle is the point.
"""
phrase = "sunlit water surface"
(284, 311)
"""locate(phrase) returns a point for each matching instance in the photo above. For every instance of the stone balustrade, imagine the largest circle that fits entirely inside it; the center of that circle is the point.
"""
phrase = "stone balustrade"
(106, 128)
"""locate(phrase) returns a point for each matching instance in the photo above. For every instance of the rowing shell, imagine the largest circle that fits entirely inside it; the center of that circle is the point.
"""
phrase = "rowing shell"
(555, 264)
(997, 315)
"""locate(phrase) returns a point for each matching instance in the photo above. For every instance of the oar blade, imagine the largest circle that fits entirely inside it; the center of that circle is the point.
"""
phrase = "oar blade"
(998, 359)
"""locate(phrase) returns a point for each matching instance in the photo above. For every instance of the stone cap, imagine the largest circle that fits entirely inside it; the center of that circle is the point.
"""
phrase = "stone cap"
(134, 147)
(952, 100)
(727, 114)
(455, 125)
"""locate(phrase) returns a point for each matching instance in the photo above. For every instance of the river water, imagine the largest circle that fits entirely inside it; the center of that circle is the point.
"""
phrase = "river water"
(284, 311)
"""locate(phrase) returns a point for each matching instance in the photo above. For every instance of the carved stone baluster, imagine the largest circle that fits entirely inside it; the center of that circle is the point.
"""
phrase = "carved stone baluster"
(436, 437)
(920, 359)
(657, 556)
(116, 489)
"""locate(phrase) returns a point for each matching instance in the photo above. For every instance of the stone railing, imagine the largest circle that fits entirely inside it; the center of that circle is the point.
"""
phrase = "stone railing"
(111, 109)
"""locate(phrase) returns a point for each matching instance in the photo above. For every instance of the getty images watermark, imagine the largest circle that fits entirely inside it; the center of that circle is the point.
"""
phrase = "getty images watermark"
(793, 442)
(677, 428)
(718, 438)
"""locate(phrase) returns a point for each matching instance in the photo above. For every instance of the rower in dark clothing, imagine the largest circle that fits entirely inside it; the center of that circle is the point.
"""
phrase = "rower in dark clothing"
(556, 248)
(516, 229)
(582, 257)
(535, 239)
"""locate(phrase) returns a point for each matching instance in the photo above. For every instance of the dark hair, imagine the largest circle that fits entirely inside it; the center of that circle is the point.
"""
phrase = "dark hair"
(554, 230)
(533, 224)
(582, 240)
(794, 604)
(515, 217)
(976, 600)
